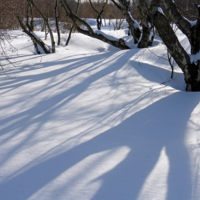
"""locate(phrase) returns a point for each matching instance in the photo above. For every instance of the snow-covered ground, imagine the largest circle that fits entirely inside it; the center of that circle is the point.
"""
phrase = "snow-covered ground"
(96, 122)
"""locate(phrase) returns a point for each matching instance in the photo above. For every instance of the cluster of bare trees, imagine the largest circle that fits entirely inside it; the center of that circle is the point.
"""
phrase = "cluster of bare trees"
(142, 16)
(8, 11)
(190, 67)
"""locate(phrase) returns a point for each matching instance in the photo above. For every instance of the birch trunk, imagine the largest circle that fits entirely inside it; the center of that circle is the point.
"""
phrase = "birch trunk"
(190, 69)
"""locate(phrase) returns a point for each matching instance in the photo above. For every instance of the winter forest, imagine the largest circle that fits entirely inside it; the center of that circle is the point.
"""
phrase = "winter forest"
(96, 99)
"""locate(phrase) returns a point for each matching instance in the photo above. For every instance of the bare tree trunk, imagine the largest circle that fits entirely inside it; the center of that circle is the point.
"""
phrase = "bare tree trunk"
(69, 36)
(146, 27)
(34, 38)
(152, 35)
(49, 27)
(72, 27)
(99, 18)
(118, 43)
(36, 46)
(31, 25)
(32, 19)
(191, 31)
(147, 36)
(146, 31)
(57, 22)
(45, 31)
(191, 69)
(133, 24)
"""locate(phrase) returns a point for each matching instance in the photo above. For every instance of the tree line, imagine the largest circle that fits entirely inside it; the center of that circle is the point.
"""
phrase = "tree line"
(144, 19)
(10, 8)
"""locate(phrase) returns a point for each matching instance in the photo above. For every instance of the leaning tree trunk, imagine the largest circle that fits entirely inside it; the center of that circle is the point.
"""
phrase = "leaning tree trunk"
(45, 31)
(192, 31)
(70, 34)
(72, 27)
(88, 31)
(30, 25)
(34, 38)
(190, 68)
(133, 24)
(57, 22)
(32, 19)
(49, 27)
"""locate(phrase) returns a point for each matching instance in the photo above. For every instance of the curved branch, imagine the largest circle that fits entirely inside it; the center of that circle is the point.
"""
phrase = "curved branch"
(133, 24)
(93, 7)
(118, 43)
(117, 5)
(72, 27)
(99, 19)
(49, 27)
(34, 37)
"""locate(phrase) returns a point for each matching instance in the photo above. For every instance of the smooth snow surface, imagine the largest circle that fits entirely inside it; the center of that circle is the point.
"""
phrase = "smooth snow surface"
(92, 122)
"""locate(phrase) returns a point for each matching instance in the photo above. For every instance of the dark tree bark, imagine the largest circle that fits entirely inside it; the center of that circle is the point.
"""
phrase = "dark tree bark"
(71, 29)
(31, 25)
(47, 24)
(133, 24)
(29, 9)
(118, 43)
(192, 31)
(70, 35)
(191, 69)
(147, 28)
(57, 21)
(36, 40)
(99, 18)
(146, 31)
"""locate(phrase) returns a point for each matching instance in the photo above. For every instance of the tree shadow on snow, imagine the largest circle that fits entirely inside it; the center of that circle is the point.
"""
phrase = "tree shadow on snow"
(126, 179)
(145, 133)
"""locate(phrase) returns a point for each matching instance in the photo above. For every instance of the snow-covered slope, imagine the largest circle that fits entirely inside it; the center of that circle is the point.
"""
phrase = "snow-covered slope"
(95, 122)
